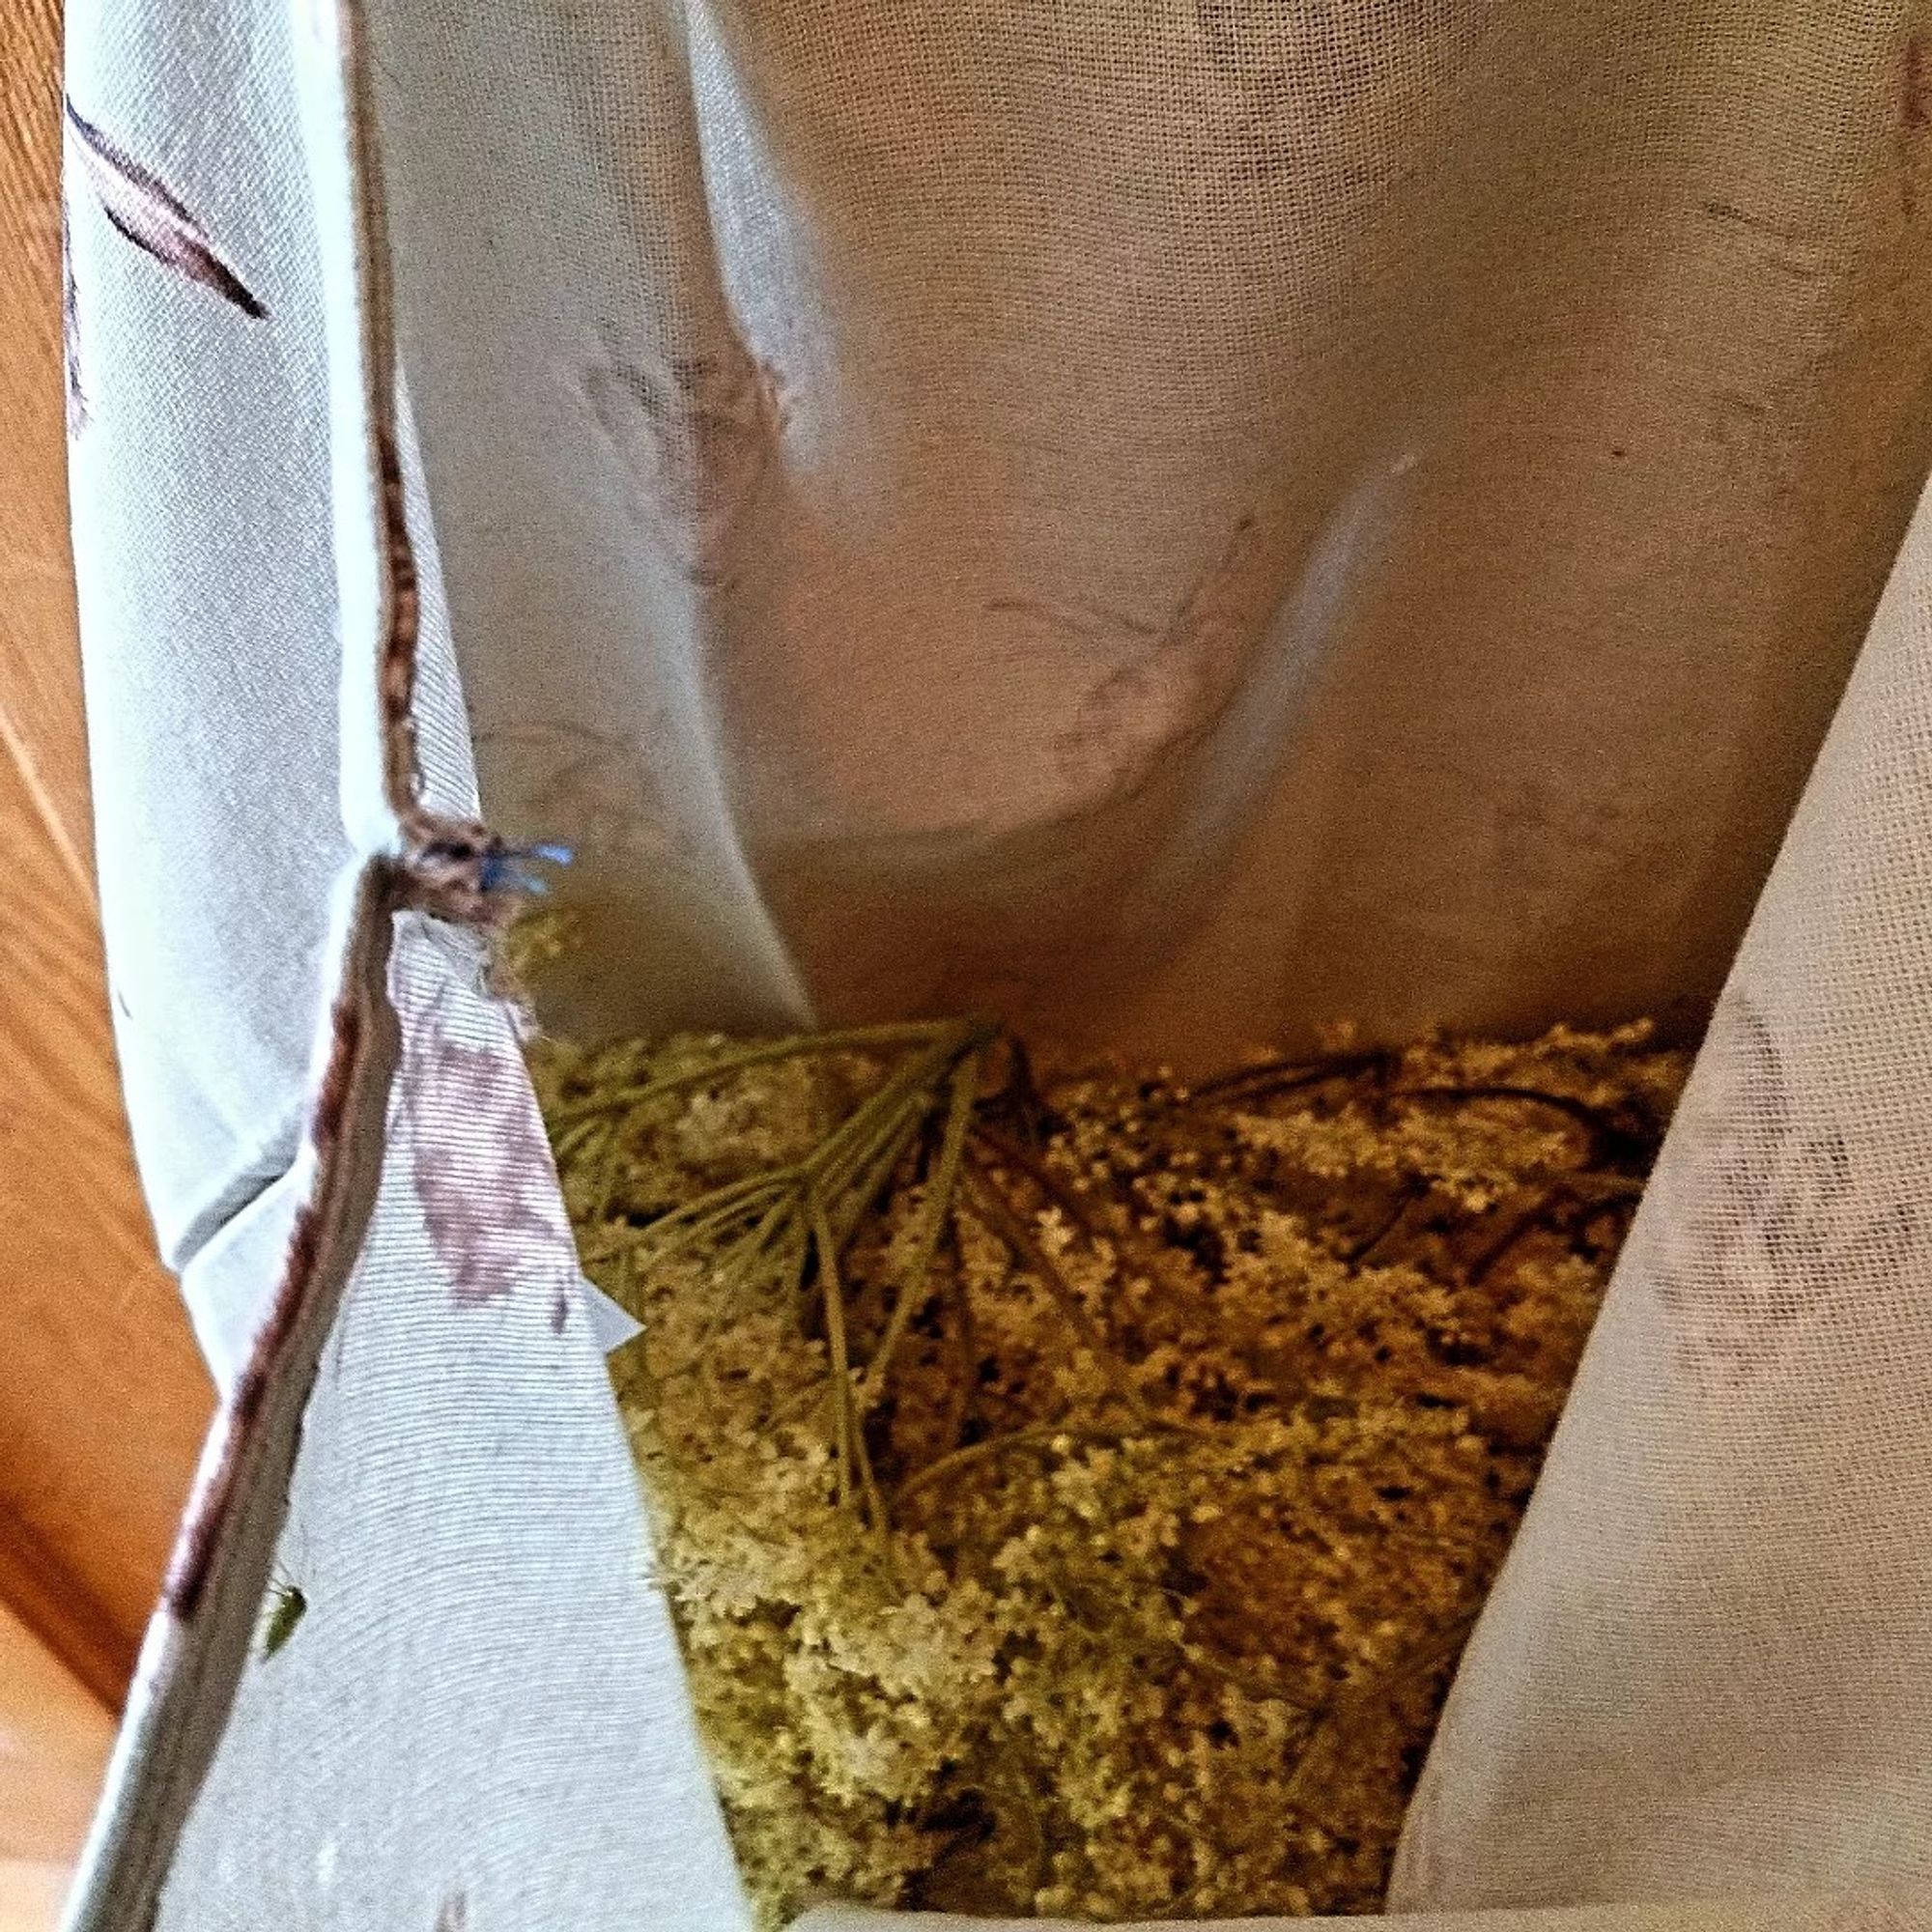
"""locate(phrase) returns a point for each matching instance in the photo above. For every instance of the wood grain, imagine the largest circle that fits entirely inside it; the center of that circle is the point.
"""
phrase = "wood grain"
(102, 1398)
(31, 1892)
(39, 672)
(54, 1741)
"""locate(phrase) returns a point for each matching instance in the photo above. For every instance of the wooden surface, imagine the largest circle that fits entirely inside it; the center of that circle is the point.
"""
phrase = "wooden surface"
(54, 1740)
(102, 1398)
(31, 1892)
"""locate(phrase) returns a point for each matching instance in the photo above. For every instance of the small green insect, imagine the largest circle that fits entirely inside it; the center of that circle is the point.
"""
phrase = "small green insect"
(288, 1605)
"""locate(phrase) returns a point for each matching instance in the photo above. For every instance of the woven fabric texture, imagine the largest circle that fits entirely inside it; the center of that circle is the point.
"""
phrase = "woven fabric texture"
(1179, 522)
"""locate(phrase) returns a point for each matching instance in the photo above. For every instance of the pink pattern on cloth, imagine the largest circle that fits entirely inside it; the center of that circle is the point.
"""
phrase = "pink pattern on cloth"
(479, 1157)
(1760, 1219)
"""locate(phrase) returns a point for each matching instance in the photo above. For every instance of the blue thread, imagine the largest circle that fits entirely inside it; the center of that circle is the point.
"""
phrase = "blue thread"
(503, 871)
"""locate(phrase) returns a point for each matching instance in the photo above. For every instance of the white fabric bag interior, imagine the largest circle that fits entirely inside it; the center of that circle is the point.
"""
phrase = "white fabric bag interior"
(1177, 524)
